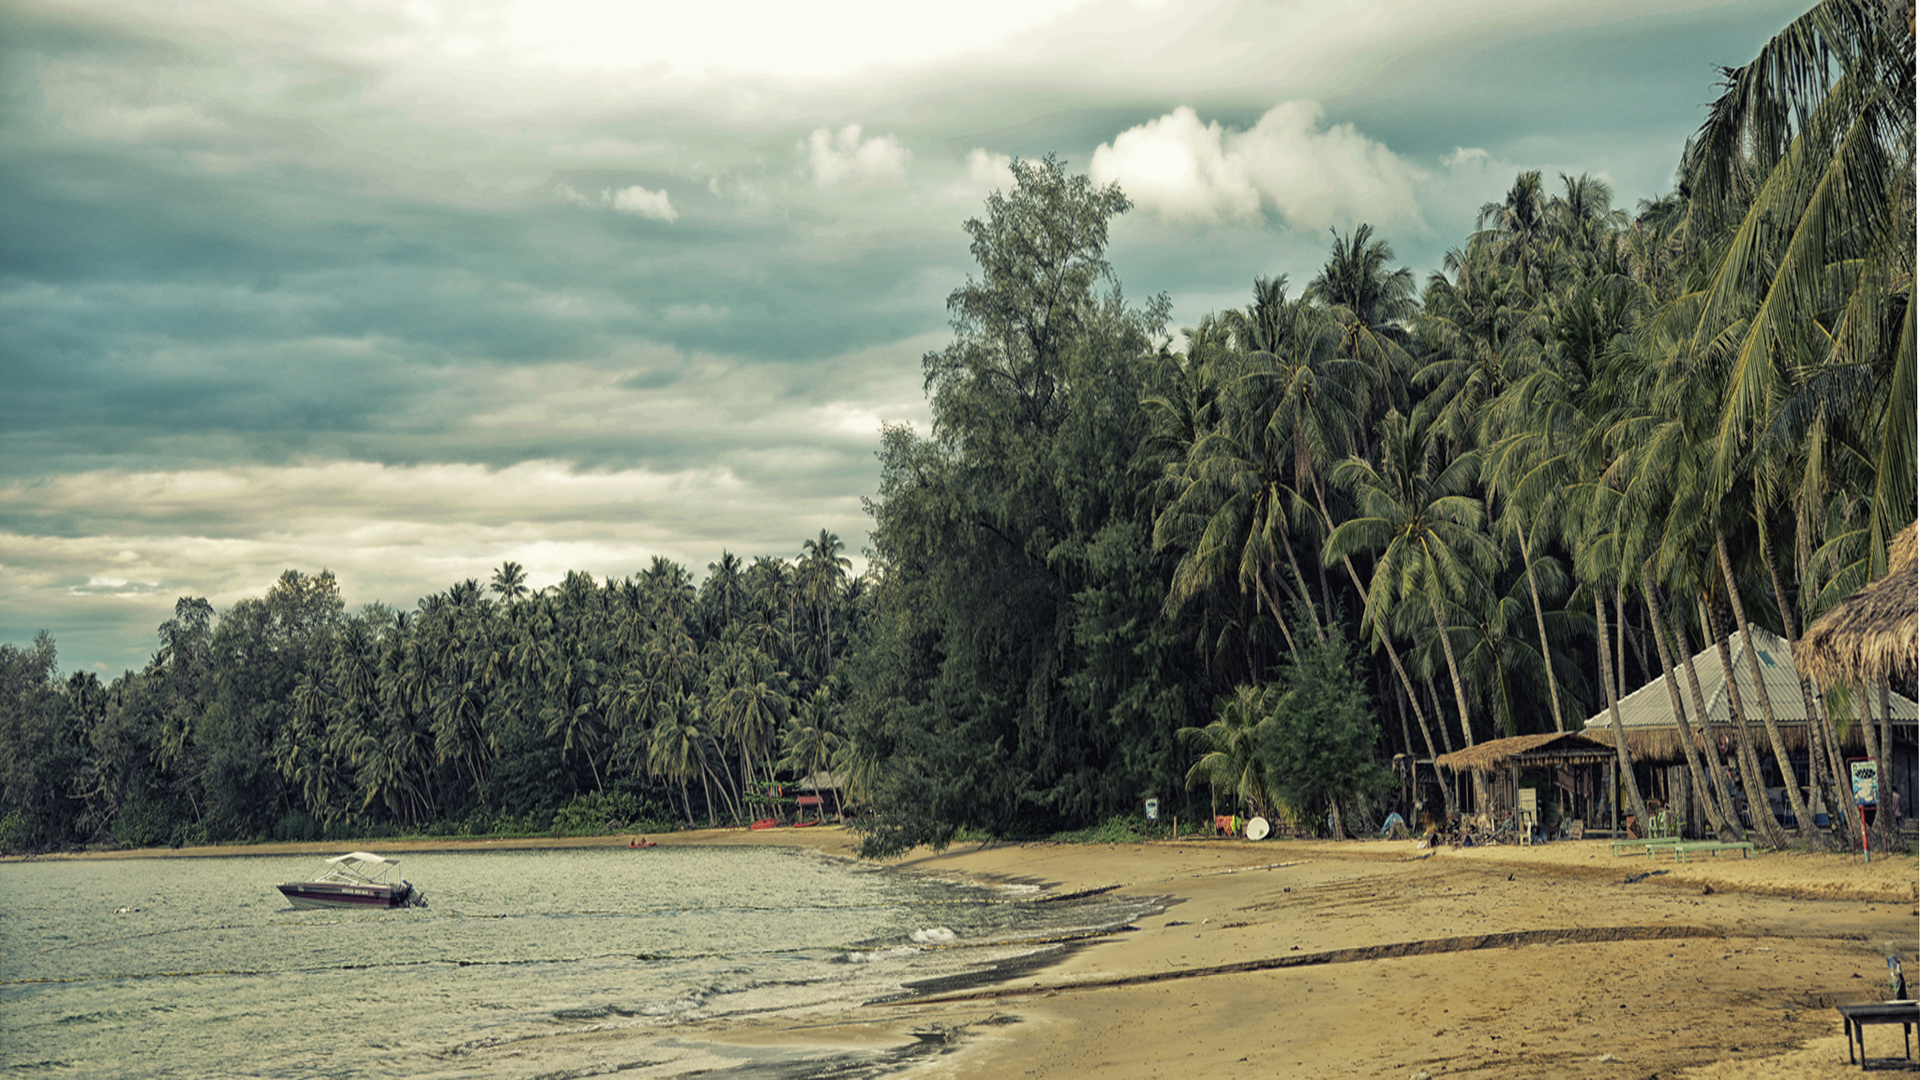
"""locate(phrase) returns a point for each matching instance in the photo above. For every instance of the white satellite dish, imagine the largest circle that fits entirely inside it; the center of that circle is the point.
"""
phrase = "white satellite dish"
(1257, 829)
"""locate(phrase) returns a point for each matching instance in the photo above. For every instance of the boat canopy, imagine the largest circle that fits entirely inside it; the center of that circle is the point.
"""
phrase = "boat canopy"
(362, 857)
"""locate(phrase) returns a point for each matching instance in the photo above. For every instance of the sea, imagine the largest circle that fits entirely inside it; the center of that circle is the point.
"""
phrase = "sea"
(198, 967)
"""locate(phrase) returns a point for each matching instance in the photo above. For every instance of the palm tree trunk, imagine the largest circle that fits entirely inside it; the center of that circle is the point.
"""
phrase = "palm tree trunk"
(1711, 797)
(1260, 587)
(1480, 794)
(1759, 810)
(1433, 699)
(1795, 802)
(1625, 760)
(1426, 733)
(1840, 805)
(1305, 600)
(1540, 622)
(1620, 636)
(1722, 775)
(1883, 806)
(1819, 776)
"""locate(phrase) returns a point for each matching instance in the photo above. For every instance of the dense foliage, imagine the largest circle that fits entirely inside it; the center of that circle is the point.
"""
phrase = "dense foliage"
(1245, 568)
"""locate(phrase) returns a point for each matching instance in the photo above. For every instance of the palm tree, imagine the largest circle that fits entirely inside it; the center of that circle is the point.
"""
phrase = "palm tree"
(1414, 515)
(723, 591)
(1808, 160)
(823, 571)
(748, 698)
(1484, 335)
(1230, 758)
(680, 750)
(510, 581)
(1516, 229)
(1371, 304)
(808, 741)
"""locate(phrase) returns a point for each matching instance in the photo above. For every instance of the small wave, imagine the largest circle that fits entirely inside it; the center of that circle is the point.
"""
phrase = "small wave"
(857, 956)
(938, 935)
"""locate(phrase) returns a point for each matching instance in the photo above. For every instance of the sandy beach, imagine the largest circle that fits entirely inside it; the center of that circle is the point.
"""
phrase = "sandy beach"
(1359, 959)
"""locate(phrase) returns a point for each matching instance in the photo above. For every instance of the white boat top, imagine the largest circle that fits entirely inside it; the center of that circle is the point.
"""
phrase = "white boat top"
(358, 867)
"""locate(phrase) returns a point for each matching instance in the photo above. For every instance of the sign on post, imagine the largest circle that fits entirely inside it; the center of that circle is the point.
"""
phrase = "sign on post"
(1866, 782)
(1153, 809)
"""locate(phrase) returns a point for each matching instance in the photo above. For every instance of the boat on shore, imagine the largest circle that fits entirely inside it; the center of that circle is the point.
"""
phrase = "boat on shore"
(354, 880)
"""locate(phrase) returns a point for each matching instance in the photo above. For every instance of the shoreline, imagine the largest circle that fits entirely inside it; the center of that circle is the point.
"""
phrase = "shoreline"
(1358, 958)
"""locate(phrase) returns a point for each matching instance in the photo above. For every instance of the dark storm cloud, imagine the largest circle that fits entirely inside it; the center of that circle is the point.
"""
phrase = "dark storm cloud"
(316, 286)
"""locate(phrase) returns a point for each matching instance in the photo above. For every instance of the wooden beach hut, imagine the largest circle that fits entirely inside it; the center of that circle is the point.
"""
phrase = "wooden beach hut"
(1575, 763)
(1647, 724)
(822, 795)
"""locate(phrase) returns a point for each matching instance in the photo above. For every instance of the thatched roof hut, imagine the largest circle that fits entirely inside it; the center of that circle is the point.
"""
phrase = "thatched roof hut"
(1646, 715)
(1874, 634)
(1527, 751)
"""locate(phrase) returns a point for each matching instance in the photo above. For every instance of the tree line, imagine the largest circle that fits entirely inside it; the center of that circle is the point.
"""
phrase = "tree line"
(1358, 517)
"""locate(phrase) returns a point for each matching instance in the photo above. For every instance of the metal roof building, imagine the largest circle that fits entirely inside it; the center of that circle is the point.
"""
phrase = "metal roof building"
(1646, 715)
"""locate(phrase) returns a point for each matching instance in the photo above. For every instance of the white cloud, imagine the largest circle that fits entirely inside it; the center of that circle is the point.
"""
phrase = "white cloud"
(1467, 157)
(986, 173)
(1179, 168)
(634, 200)
(647, 204)
(843, 157)
(986, 168)
(1309, 174)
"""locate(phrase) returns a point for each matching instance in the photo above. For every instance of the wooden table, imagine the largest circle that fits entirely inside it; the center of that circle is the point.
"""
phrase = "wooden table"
(1857, 1017)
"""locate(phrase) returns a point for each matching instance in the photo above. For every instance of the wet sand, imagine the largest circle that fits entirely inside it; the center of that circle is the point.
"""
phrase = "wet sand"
(1361, 959)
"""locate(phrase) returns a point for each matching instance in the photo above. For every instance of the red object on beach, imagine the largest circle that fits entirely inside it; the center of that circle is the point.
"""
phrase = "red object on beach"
(765, 823)
(643, 843)
(805, 824)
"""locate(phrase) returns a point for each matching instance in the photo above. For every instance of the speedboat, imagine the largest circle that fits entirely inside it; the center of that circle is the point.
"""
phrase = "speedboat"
(354, 880)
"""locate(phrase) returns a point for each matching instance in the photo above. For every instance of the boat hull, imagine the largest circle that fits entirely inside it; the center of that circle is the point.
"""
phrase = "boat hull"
(327, 894)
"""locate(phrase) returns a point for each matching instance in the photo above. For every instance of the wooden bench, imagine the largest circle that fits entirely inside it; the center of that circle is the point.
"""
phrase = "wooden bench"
(1857, 1017)
(1711, 847)
(1653, 843)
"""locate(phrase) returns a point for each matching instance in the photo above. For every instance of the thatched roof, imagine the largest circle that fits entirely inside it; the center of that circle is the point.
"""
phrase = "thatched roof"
(1646, 715)
(1553, 748)
(1873, 634)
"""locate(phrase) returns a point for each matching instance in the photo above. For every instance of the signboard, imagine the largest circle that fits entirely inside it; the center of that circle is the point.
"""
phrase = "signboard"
(1866, 782)
(1529, 800)
(1153, 809)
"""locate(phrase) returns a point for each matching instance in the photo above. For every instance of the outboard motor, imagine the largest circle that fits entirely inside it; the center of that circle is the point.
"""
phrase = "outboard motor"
(415, 898)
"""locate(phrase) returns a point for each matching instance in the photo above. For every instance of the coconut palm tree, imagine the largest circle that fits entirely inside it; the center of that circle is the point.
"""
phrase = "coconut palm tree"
(1516, 230)
(1230, 760)
(1807, 159)
(1414, 514)
(823, 572)
(1371, 304)
(808, 741)
(680, 750)
(510, 581)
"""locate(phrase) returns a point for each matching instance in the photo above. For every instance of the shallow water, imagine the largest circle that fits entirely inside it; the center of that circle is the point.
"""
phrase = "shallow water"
(209, 971)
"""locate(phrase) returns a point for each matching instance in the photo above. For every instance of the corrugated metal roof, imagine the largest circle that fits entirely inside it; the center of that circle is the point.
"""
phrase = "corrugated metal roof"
(1650, 706)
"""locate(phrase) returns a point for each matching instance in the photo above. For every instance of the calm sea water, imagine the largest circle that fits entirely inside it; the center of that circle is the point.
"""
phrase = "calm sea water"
(209, 972)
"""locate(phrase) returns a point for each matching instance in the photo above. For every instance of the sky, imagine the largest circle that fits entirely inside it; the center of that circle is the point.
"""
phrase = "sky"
(407, 290)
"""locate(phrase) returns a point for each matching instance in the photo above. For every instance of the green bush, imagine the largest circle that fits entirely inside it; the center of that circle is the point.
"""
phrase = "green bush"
(1118, 829)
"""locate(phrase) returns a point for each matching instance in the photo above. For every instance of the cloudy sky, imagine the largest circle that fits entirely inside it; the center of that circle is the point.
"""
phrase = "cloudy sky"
(407, 289)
